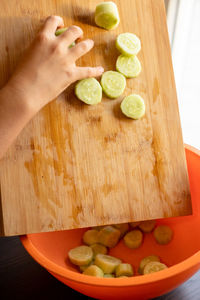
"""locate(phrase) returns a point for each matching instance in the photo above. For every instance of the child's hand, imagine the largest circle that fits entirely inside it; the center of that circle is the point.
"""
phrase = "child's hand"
(45, 71)
(49, 65)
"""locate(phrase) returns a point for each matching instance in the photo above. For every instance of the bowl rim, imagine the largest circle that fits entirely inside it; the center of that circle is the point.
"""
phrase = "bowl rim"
(52, 267)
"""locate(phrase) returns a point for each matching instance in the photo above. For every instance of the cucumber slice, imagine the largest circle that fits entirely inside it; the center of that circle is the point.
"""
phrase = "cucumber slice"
(163, 234)
(98, 248)
(81, 255)
(147, 226)
(123, 228)
(124, 270)
(128, 43)
(90, 237)
(89, 91)
(147, 260)
(94, 271)
(107, 15)
(134, 224)
(133, 106)
(84, 267)
(113, 84)
(154, 266)
(129, 66)
(133, 239)
(60, 31)
(107, 263)
(109, 236)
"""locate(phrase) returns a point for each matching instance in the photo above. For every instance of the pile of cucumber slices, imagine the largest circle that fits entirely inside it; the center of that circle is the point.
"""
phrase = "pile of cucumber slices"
(94, 257)
(113, 83)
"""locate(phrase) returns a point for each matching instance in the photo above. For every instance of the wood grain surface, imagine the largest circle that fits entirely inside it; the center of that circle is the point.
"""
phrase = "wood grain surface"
(76, 165)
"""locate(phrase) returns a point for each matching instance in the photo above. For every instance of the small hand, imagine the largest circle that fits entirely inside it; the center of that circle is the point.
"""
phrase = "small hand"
(49, 66)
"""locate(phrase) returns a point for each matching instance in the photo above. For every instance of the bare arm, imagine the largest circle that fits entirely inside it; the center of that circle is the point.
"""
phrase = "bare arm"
(46, 70)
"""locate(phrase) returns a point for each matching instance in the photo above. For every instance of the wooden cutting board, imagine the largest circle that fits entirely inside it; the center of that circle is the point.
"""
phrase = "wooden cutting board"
(76, 165)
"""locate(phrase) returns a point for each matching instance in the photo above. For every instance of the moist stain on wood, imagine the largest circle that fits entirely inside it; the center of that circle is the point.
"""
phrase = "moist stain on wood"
(156, 90)
(44, 191)
(108, 188)
(110, 137)
(94, 120)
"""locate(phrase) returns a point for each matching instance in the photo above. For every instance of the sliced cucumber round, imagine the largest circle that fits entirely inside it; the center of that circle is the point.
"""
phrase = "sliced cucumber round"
(133, 239)
(89, 91)
(109, 236)
(113, 84)
(147, 260)
(107, 263)
(128, 43)
(124, 270)
(90, 237)
(94, 271)
(163, 234)
(84, 267)
(134, 224)
(129, 66)
(147, 226)
(81, 255)
(98, 248)
(60, 31)
(107, 15)
(133, 106)
(154, 266)
(123, 228)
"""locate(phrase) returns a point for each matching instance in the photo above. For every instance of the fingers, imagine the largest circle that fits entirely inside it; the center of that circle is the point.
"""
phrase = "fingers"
(51, 24)
(81, 48)
(70, 35)
(85, 72)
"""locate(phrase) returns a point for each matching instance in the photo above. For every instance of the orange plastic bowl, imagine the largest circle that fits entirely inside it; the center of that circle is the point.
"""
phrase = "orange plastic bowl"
(182, 255)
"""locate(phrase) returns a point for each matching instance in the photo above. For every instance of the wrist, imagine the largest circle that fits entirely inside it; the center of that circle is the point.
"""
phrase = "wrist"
(15, 100)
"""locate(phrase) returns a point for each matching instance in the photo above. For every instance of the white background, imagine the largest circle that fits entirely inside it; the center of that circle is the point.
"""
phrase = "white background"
(184, 30)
